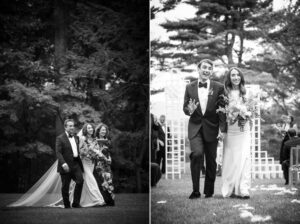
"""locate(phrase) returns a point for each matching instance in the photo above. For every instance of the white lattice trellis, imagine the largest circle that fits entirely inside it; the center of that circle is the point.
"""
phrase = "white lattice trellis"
(262, 166)
(175, 138)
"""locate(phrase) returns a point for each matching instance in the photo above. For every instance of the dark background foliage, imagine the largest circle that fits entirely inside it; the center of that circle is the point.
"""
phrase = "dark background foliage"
(86, 60)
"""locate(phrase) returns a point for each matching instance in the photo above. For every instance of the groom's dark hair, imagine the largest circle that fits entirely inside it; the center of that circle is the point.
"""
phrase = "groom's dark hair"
(68, 120)
(206, 61)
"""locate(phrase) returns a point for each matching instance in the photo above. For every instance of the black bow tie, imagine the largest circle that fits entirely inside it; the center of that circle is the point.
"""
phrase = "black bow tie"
(202, 85)
(70, 136)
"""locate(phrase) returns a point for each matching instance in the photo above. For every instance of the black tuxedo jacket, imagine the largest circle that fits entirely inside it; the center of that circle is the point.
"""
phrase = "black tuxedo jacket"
(210, 121)
(64, 152)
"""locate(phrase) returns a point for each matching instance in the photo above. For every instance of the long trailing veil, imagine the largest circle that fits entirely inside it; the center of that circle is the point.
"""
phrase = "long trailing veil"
(46, 191)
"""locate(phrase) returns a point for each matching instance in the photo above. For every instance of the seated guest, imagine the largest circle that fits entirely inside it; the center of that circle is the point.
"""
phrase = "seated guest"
(285, 155)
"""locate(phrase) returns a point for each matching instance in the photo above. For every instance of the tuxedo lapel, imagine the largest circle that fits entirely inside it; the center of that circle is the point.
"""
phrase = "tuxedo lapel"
(66, 139)
(195, 96)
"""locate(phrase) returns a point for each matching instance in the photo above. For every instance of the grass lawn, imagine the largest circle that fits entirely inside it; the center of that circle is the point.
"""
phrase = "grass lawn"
(175, 207)
(130, 208)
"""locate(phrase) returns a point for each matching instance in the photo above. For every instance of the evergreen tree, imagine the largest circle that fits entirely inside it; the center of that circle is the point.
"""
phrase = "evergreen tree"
(218, 25)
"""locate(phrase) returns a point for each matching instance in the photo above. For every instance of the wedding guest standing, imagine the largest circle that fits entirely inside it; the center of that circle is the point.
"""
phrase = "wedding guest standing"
(103, 165)
(155, 169)
(161, 153)
(289, 123)
(285, 155)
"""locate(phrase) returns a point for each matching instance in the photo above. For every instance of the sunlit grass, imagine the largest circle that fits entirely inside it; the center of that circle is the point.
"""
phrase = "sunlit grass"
(179, 209)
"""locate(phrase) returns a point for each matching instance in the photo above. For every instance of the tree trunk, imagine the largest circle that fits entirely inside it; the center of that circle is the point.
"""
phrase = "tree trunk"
(229, 47)
(240, 54)
(241, 35)
(60, 19)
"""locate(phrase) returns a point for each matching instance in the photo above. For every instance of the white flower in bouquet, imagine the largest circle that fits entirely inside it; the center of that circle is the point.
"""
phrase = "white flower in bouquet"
(240, 111)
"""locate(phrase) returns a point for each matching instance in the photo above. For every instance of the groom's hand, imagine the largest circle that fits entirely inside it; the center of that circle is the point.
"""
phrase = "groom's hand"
(192, 106)
(66, 167)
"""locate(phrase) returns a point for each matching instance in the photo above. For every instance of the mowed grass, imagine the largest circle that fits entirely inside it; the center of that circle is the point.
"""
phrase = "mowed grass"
(179, 209)
(130, 208)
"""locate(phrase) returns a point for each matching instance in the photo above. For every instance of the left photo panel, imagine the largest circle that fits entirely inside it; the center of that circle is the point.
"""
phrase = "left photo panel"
(74, 111)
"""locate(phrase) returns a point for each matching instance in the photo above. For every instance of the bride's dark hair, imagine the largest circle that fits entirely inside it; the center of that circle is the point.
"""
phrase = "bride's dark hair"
(228, 84)
(84, 129)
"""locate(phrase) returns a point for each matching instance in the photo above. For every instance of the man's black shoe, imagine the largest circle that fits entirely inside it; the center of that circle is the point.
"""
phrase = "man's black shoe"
(233, 196)
(208, 195)
(76, 206)
(245, 197)
(195, 195)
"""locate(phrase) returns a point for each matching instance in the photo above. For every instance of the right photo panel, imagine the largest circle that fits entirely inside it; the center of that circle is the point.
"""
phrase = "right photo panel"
(224, 111)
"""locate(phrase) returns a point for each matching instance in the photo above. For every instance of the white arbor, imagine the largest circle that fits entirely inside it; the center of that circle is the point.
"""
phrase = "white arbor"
(262, 166)
(175, 137)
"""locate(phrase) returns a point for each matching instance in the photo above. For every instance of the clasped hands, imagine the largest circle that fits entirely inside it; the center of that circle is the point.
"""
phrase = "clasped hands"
(192, 106)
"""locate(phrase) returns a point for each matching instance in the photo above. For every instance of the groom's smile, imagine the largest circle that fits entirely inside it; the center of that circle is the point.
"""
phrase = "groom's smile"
(205, 71)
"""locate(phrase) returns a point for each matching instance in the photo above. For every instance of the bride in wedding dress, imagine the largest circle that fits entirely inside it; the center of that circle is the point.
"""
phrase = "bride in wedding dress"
(236, 176)
(46, 192)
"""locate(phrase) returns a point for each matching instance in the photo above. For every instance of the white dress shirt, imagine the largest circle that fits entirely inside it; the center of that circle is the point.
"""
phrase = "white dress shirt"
(73, 144)
(203, 96)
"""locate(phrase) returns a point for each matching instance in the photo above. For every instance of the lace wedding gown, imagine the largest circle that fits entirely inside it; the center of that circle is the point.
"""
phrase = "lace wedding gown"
(47, 191)
(236, 176)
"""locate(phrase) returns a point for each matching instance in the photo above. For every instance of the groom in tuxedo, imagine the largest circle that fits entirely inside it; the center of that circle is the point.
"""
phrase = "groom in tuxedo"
(204, 127)
(69, 163)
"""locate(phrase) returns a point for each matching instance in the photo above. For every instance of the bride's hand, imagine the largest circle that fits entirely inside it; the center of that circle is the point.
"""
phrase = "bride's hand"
(220, 136)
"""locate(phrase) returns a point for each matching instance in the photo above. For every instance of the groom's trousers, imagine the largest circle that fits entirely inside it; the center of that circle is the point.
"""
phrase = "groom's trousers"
(76, 175)
(199, 148)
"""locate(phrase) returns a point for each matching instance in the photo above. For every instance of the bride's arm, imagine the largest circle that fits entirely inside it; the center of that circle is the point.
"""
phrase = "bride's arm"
(222, 116)
(82, 147)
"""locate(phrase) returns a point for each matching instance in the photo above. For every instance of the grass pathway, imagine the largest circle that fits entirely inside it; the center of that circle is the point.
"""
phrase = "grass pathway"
(129, 209)
(270, 202)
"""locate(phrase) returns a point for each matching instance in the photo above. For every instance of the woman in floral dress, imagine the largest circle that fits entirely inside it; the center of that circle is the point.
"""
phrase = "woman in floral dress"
(103, 165)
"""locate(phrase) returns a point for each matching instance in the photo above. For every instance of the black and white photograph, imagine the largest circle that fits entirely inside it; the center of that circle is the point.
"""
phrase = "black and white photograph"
(224, 109)
(149, 111)
(74, 120)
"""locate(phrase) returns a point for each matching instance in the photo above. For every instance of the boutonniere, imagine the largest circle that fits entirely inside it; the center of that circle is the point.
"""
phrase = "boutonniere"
(210, 92)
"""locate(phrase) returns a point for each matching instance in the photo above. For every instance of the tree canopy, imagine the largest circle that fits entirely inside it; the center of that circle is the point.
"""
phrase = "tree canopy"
(86, 60)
